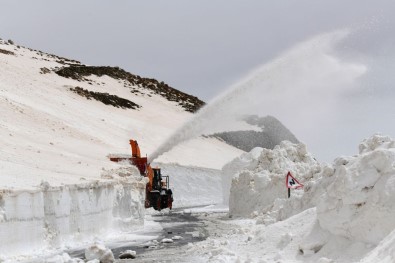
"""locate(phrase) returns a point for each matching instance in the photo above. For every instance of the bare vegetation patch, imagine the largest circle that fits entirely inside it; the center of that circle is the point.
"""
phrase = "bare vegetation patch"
(6, 52)
(80, 72)
(106, 98)
(44, 70)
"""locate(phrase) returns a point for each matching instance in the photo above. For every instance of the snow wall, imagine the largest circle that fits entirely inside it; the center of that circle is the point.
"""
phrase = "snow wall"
(233, 168)
(259, 185)
(193, 186)
(354, 197)
(361, 193)
(52, 217)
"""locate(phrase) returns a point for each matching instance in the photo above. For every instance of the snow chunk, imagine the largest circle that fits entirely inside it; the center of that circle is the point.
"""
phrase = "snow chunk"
(167, 240)
(375, 142)
(98, 251)
(128, 254)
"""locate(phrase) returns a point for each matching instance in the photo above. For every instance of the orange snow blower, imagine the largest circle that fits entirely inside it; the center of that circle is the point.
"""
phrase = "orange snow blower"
(157, 192)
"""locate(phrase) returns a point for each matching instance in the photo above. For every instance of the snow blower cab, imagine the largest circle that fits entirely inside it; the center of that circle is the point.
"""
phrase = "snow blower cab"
(157, 192)
(159, 196)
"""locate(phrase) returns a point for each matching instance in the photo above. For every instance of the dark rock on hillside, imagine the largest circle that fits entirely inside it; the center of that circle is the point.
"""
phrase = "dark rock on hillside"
(106, 98)
(79, 72)
(6, 52)
(273, 132)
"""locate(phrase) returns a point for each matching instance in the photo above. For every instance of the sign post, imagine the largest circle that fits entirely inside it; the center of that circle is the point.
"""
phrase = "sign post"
(291, 182)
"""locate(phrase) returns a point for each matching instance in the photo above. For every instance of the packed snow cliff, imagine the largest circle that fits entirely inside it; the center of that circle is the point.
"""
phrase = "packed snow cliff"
(354, 198)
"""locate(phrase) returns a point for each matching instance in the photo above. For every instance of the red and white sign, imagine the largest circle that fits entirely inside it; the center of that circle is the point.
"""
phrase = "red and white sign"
(291, 182)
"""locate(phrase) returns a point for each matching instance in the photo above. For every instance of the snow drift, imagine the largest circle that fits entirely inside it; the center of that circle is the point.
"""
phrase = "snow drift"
(261, 185)
(361, 196)
(230, 170)
(354, 197)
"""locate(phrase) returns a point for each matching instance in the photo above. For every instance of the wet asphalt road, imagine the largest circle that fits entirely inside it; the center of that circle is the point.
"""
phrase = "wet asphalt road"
(189, 226)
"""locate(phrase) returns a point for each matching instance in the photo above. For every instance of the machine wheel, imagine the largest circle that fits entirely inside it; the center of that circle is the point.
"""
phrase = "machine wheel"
(147, 202)
(169, 199)
(158, 203)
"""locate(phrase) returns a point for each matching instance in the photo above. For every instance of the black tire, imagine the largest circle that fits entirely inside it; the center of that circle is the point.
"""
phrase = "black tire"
(169, 199)
(158, 203)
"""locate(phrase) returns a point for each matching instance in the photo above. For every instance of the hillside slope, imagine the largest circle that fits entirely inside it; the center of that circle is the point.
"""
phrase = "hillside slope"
(59, 122)
(60, 119)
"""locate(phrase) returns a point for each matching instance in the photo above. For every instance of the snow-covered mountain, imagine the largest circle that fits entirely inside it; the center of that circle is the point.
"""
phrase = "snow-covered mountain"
(60, 118)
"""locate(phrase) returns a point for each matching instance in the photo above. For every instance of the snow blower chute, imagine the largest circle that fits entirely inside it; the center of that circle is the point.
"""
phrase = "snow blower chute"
(157, 192)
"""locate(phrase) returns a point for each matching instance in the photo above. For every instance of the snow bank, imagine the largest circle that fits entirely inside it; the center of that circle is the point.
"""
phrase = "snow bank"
(241, 240)
(356, 209)
(51, 217)
(354, 198)
(384, 252)
(193, 186)
(362, 194)
(231, 169)
(260, 187)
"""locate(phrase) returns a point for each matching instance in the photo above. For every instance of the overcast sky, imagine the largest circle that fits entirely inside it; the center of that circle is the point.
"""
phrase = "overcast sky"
(199, 47)
(203, 47)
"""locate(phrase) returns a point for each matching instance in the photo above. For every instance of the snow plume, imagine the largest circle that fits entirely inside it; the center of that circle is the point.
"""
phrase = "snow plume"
(299, 87)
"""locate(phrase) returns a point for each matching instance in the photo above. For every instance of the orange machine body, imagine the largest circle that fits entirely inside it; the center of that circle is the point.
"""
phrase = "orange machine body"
(158, 195)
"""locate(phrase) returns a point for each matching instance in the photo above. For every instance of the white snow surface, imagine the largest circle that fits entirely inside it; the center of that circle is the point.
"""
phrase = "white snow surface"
(193, 186)
(353, 200)
(361, 195)
(52, 218)
(260, 186)
(231, 169)
(384, 252)
(100, 252)
(63, 258)
(50, 133)
(58, 188)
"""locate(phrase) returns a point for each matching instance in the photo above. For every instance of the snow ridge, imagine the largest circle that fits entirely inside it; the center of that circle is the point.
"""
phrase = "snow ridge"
(354, 198)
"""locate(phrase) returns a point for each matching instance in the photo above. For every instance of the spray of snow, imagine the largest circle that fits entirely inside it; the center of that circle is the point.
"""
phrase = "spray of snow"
(306, 79)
